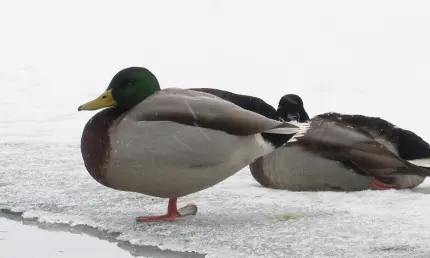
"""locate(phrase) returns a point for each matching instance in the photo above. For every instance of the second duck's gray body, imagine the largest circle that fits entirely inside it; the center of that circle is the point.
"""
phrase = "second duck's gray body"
(313, 162)
(297, 169)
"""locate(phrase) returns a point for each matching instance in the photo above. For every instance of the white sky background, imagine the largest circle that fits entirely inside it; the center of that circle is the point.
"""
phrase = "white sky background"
(368, 57)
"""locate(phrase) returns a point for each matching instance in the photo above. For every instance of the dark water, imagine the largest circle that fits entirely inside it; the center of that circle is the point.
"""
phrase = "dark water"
(135, 250)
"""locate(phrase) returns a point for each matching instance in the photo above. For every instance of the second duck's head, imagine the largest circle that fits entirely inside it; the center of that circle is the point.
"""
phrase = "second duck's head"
(290, 108)
(127, 88)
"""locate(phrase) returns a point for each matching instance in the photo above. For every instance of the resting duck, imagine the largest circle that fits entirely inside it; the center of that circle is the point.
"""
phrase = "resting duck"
(343, 152)
(173, 142)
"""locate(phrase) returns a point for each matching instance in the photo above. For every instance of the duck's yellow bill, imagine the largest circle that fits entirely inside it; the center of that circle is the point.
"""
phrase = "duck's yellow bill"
(102, 101)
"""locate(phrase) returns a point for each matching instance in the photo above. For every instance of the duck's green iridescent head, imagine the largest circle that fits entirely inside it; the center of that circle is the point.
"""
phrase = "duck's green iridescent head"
(128, 87)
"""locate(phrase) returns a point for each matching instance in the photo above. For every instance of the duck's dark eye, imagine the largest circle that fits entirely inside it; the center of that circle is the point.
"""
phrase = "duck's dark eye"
(126, 84)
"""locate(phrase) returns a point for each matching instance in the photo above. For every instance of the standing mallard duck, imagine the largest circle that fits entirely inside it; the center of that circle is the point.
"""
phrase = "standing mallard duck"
(173, 142)
(343, 152)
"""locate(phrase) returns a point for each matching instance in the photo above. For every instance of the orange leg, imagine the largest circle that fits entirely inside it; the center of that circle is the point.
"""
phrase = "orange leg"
(172, 213)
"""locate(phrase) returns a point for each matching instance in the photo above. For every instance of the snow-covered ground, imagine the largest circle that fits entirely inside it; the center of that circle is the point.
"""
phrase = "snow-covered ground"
(370, 58)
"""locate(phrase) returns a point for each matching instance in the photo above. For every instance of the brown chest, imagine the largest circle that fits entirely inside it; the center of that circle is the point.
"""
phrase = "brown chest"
(95, 143)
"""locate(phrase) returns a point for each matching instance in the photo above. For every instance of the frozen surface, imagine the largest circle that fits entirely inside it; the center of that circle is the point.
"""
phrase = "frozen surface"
(55, 56)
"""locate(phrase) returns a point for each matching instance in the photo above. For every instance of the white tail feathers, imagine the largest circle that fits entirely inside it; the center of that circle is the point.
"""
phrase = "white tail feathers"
(296, 128)
(421, 162)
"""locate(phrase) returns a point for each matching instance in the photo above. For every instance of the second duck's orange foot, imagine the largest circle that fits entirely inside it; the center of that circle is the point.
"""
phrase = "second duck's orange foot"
(378, 185)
